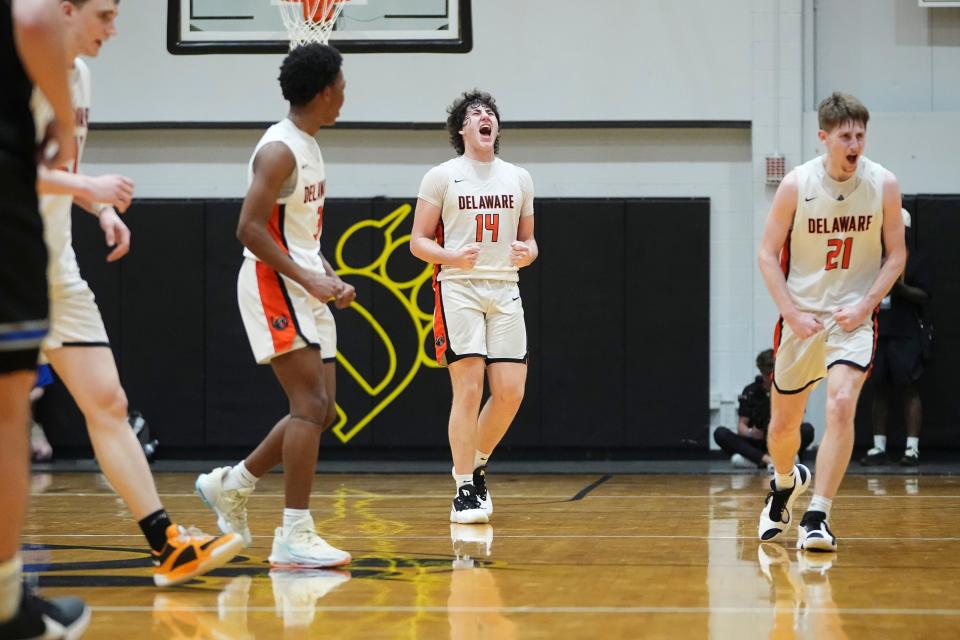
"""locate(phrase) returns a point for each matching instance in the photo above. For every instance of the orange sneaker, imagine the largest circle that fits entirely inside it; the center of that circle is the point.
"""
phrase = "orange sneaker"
(190, 552)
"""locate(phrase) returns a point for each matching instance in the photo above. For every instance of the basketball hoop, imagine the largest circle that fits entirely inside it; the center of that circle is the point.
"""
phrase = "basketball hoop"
(309, 21)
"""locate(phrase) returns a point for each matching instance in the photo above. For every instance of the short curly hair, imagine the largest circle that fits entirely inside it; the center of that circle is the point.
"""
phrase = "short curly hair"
(458, 112)
(308, 70)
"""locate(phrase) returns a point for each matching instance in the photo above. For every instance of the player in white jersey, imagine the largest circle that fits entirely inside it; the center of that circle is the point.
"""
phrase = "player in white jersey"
(283, 289)
(832, 248)
(77, 346)
(474, 221)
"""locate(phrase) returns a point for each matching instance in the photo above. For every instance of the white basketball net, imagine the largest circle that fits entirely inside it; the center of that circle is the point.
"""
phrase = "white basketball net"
(309, 21)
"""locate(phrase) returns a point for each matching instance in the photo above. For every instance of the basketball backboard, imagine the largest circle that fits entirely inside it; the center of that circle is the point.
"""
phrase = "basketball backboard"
(374, 26)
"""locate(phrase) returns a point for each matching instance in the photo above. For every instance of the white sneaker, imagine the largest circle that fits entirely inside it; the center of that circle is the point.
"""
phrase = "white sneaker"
(302, 548)
(295, 593)
(466, 508)
(229, 505)
(483, 493)
(740, 462)
(813, 534)
(775, 517)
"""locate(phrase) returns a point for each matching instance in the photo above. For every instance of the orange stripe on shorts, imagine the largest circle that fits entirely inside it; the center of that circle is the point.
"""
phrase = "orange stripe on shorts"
(279, 314)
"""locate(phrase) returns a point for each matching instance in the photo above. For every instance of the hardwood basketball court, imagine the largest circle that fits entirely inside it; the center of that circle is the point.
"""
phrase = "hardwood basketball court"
(566, 556)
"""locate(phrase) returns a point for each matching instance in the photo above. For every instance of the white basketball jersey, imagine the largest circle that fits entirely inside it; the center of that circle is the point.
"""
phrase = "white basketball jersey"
(55, 209)
(297, 219)
(480, 202)
(832, 256)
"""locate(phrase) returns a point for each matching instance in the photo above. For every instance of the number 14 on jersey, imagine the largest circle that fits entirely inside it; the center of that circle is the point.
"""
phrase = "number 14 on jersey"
(488, 222)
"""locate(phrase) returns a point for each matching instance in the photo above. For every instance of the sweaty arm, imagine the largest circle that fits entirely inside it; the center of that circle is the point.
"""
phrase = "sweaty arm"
(423, 243)
(779, 223)
(272, 166)
(113, 190)
(893, 261)
(525, 250)
(38, 31)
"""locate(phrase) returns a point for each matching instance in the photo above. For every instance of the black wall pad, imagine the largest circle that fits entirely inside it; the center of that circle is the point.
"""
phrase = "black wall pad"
(666, 331)
(582, 322)
(163, 316)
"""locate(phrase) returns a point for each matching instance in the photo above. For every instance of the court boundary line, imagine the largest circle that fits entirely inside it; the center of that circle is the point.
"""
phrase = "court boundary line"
(531, 609)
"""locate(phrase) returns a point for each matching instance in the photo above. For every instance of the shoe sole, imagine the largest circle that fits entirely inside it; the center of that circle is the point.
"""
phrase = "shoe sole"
(312, 565)
(820, 545)
(473, 516)
(218, 558)
(793, 498)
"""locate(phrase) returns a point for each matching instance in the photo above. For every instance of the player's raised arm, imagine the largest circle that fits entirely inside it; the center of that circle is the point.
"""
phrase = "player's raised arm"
(775, 234)
(272, 167)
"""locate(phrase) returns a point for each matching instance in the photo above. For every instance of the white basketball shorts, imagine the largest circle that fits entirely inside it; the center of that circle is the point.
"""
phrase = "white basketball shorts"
(75, 319)
(479, 318)
(280, 316)
(802, 363)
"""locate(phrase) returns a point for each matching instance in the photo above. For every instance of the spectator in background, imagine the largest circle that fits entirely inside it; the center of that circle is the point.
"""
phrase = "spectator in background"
(898, 365)
(747, 447)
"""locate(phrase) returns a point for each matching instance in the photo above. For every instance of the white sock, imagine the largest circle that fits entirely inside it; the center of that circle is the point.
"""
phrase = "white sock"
(784, 480)
(239, 477)
(293, 518)
(880, 442)
(10, 589)
(466, 478)
(913, 444)
(819, 503)
(480, 459)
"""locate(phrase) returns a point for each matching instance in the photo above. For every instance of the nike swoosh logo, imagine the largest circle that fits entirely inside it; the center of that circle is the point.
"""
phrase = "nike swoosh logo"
(305, 166)
(809, 199)
(514, 299)
(460, 180)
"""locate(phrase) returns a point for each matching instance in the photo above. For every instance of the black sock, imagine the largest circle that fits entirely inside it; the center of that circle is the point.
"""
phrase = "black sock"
(154, 527)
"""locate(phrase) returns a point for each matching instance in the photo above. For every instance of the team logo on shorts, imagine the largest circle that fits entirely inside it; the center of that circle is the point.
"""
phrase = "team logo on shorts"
(440, 341)
(280, 323)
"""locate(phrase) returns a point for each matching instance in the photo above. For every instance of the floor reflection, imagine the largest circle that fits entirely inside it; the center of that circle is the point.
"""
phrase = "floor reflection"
(186, 614)
(801, 595)
(474, 607)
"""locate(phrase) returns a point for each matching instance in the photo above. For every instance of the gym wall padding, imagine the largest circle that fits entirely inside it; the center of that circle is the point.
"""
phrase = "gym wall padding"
(936, 226)
(617, 312)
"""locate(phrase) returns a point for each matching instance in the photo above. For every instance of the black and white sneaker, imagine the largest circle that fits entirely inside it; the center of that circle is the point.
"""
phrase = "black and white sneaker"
(65, 618)
(775, 517)
(911, 458)
(466, 507)
(813, 534)
(483, 494)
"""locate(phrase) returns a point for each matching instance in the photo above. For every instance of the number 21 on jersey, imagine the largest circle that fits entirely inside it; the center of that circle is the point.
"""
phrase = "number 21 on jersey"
(489, 222)
(838, 250)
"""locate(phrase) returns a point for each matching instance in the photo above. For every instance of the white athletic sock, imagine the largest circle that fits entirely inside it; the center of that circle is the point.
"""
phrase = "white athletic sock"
(913, 444)
(784, 480)
(880, 442)
(480, 459)
(293, 518)
(10, 589)
(819, 503)
(466, 478)
(239, 477)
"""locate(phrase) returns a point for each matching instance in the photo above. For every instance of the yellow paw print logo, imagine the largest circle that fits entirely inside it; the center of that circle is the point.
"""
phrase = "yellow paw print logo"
(400, 370)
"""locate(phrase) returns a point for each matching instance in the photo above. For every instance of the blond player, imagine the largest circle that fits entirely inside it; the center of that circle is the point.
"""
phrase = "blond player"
(77, 346)
(832, 248)
(474, 221)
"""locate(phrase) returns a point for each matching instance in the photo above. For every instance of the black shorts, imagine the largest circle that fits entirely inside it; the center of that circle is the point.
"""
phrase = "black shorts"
(23, 271)
(899, 361)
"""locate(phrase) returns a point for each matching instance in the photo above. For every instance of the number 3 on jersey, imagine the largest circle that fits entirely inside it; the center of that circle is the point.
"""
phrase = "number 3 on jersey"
(490, 222)
(839, 249)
